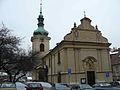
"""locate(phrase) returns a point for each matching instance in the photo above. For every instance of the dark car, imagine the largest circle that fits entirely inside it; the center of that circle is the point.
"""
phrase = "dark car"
(33, 86)
(105, 86)
(81, 87)
(114, 84)
(74, 86)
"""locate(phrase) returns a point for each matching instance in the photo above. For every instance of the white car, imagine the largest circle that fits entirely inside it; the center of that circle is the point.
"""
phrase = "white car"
(20, 86)
(85, 87)
(58, 86)
(102, 84)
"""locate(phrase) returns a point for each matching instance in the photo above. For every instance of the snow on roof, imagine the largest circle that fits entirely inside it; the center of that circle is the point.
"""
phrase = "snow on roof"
(114, 52)
(29, 78)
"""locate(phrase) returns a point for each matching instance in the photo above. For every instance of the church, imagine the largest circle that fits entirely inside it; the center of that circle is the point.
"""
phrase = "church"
(81, 57)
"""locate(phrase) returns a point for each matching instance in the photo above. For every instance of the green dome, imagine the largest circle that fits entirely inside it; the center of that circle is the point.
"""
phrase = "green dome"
(40, 31)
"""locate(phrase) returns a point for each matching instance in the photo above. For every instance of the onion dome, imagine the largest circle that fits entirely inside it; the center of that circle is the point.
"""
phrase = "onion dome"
(40, 30)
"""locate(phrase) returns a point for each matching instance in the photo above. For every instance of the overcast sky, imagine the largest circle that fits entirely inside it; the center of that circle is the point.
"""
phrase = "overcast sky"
(60, 15)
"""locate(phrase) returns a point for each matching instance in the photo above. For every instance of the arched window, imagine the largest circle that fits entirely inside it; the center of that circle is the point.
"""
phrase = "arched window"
(41, 47)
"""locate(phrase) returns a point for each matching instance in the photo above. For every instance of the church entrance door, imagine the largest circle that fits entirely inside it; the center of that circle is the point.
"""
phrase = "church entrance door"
(91, 77)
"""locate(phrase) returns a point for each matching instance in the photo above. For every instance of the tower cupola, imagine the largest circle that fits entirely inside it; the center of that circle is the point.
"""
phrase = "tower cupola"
(40, 30)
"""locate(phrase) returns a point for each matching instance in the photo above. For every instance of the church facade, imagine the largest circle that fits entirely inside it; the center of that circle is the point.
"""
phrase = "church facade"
(81, 57)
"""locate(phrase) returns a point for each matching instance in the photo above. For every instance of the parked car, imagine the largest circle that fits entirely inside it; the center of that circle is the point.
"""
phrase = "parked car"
(33, 86)
(81, 87)
(58, 86)
(46, 85)
(8, 86)
(85, 87)
(105, 86)
(66, 84)
(102, 84)
(20, 86)
(74, 86)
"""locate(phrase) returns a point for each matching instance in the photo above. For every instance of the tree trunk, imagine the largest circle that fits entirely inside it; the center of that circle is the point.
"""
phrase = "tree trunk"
(10, 78)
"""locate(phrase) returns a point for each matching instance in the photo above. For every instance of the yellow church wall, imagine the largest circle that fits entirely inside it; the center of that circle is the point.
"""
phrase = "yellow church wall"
(63, 61)
(101, 77)
(105, 60)
(71, 63)
(65, 56)
(87, 35)
(77, 60)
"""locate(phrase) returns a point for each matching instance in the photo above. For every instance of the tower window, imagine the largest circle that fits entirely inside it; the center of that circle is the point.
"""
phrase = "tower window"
(41, 47)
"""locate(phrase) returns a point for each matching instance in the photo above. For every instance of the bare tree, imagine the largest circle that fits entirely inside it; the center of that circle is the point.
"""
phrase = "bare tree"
(13, 59)
(8, 45)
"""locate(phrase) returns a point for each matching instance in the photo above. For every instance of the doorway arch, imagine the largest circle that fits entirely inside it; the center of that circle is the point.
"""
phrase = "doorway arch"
(90, 68)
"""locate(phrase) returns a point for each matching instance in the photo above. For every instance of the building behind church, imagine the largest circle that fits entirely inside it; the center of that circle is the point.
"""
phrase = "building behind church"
(115, 63)
(81, 57)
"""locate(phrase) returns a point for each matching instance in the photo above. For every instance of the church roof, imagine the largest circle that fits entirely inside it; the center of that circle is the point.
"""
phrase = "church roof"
(85, 18)
(40, 31)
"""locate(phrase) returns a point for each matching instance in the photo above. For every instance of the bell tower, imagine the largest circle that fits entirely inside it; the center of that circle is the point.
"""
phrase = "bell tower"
(40, 39)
